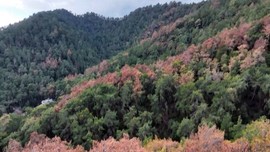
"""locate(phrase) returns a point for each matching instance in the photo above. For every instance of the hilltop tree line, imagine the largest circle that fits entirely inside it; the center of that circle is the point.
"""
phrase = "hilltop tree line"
(49, 46)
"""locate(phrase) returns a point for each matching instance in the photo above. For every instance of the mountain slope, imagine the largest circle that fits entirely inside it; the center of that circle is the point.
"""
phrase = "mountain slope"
(51, 45)
(194, 70)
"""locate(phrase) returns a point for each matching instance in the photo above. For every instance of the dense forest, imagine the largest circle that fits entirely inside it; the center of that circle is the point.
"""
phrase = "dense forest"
(172, 77)
(49, 46)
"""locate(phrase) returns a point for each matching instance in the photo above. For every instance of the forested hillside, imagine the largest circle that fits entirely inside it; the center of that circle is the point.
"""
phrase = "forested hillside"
(194, 78)
(49, 46)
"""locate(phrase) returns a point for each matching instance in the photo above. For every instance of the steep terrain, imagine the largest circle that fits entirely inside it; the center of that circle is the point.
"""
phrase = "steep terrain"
(205, 69)
(49, 46)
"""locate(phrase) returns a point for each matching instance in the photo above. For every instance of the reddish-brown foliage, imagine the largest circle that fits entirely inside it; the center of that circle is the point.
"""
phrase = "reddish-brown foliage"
(123, 145)
(212, 140)
(234, 37)
(98, 69)
(71, 77)
(110, 78)
(127, 73)
(236, 146)
(166, 29)
(210, 43)
(260, 44)
(247, 62)
(192, 53)
(161, 30)
(254, 56)
(243, 47)
(166, 66)
(13, 146)
(40, 143)
(237, 38)
(50, 63)
(163, 145)
(188, 54)
(266, 23)
(146, 69)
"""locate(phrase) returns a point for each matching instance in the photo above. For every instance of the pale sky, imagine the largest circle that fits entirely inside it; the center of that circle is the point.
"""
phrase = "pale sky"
(12, 11)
